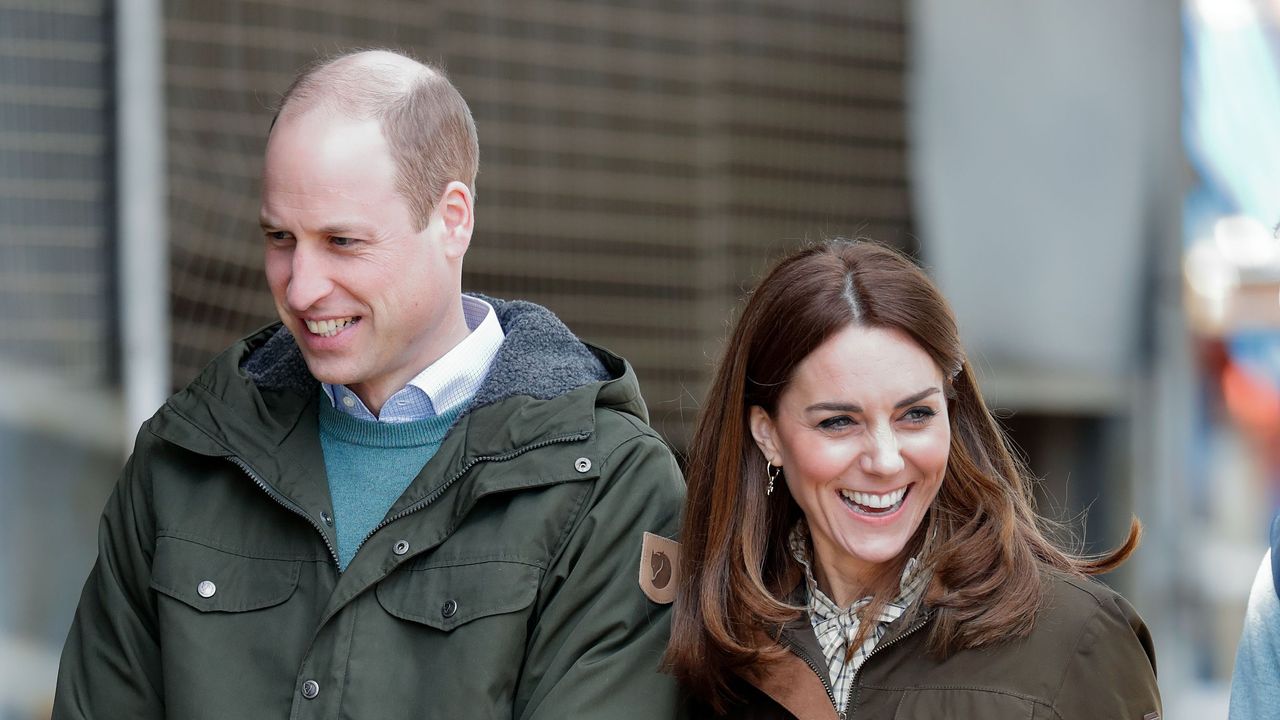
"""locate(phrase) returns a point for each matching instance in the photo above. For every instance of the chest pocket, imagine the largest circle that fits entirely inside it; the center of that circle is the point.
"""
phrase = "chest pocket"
(239, 615)
(210, 580)
(944, 703)
(447, 596)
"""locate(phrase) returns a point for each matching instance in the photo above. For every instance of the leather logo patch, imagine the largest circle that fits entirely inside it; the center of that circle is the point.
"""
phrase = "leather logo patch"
(1151, 716)
(659, 564)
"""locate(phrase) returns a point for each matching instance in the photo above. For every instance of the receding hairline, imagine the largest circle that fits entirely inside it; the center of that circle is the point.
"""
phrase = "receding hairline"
(359, 84)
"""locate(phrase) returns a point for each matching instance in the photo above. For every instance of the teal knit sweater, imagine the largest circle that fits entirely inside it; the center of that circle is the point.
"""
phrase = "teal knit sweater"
(370, 464)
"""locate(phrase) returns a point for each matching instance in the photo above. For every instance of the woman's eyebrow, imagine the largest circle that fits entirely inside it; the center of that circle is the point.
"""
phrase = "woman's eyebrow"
(852, 408)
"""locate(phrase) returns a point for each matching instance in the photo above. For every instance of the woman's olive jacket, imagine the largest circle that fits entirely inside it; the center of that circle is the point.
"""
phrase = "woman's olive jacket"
(502, 584)
(1089, 657)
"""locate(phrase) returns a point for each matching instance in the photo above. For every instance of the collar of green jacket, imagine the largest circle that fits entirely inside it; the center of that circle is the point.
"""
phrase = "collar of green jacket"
(252, 401)
(798, 680)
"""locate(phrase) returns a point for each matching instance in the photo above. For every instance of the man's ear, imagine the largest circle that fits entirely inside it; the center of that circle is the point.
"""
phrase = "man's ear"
(456, 213)
(765, 434)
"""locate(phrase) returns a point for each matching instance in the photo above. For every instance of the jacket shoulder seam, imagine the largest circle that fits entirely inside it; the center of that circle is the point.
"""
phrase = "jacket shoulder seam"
(1087, 631)
(1096, 591)
(638, 426)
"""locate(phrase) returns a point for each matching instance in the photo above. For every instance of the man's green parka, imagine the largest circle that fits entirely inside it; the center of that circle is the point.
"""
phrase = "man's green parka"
(502, 584)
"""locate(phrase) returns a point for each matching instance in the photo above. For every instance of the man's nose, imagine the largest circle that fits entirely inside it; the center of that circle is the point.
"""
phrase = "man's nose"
(309, 280)
(883, 455)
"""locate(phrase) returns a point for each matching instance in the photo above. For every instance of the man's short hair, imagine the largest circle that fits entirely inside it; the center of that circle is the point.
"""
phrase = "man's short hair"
(427, 125)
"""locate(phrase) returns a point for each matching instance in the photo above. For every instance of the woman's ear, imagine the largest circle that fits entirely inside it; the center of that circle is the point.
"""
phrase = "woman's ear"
(763, 431)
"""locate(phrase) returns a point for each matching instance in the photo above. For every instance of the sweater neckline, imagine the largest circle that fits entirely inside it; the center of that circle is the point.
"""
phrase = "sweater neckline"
(372, 433)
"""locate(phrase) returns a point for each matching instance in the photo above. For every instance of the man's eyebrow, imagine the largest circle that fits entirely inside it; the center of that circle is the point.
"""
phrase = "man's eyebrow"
(347, 228)
(338, 228)
(852, 408)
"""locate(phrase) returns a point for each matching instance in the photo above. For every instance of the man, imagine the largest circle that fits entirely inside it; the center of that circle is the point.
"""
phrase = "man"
(1255, 683)
(400, 501)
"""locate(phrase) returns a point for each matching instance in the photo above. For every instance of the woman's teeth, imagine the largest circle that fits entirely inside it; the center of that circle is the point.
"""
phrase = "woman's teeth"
(873, 504)
(328, 328)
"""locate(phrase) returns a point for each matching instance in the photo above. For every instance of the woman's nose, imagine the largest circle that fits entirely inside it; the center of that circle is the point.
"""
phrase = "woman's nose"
(883, 456)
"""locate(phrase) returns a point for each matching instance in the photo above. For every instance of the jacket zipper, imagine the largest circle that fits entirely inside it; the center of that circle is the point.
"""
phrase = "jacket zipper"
(853, 690)
(463, 471)
(284, 502)
(822, 676)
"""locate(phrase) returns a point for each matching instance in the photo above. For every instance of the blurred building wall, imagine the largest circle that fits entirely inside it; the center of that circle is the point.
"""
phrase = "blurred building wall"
(55, 190)
(59, 409)
(640, 163)
(1049, 178)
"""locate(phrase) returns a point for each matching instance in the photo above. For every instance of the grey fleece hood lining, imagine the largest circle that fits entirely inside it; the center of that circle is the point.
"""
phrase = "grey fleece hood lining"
(540, 358)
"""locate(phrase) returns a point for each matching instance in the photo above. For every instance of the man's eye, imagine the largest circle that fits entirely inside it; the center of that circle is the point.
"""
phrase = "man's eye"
(279, 236)
(343, 241)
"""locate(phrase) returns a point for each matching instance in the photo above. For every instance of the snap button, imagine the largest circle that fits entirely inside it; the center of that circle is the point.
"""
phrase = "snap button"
(582, 464)
(327, 518)
(310, 689)
(401, 547)
(348, 401)
(206, 589)
(449, 608)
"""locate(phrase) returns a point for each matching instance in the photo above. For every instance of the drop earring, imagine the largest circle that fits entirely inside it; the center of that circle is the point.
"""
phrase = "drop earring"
(773, 473)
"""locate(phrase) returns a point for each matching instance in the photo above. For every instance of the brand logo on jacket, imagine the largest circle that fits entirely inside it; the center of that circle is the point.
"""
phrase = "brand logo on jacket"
(659, 562)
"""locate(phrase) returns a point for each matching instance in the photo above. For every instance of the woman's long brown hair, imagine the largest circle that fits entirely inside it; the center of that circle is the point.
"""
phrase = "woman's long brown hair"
(987, 549)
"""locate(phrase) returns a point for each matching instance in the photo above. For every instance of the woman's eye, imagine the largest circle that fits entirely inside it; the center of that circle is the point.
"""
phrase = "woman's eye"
(839, 422)
(919, 415)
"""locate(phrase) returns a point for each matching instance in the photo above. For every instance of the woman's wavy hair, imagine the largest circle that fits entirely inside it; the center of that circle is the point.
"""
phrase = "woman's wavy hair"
(987, 547)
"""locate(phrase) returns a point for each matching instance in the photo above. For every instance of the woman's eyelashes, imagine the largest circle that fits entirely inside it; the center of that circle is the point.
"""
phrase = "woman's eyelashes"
(919, 415)
(839, 422)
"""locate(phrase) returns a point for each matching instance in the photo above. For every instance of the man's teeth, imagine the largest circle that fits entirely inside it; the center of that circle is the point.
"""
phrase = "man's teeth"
(328, 328)
(872, 500)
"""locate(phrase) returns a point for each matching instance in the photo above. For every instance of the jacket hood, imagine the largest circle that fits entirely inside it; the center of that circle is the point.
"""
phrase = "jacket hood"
(255, 391)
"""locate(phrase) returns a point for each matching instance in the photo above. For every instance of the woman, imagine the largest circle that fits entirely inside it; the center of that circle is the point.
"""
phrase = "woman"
(859, 541)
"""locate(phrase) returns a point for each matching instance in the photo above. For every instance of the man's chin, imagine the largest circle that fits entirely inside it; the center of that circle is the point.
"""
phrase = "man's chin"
(327, 371)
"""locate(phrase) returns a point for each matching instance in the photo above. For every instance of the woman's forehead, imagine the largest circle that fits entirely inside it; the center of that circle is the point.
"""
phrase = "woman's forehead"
(863, 365)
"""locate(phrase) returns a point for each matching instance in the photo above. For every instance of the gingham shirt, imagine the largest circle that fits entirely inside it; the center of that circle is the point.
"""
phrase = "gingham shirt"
(836, 628)
(446, 383)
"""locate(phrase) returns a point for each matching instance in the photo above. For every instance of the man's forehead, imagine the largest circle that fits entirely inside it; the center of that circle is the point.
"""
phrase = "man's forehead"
(319, 148)
(322, 119)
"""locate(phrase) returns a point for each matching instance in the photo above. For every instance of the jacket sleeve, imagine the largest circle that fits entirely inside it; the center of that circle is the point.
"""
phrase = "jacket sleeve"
(598, 640)
(110, 664)
(1112, 673)
(1255, 690)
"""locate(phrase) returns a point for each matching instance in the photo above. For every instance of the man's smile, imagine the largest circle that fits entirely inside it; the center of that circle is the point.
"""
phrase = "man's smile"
(329, 328)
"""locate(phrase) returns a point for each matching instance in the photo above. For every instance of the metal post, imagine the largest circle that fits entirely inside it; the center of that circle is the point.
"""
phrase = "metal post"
(143, 231)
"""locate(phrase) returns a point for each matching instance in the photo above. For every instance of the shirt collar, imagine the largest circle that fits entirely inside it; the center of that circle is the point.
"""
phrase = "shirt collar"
(911, 582)
(443, 385)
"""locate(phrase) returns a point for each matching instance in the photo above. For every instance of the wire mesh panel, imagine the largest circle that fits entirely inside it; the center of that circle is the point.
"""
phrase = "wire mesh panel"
(55, 170)
(640, 163)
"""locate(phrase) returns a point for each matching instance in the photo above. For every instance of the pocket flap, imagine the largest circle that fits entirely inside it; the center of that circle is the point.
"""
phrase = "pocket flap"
(212, 580)
(447, 596)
